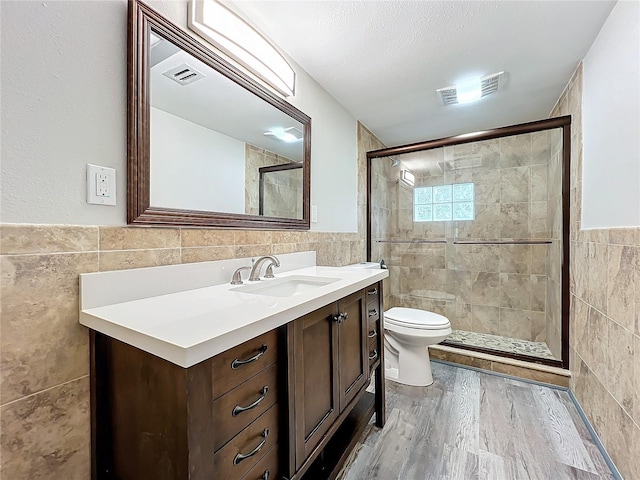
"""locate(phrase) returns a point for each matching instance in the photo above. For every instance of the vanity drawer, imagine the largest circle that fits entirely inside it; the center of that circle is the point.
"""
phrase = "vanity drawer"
(240, 363)
(237, 457)
(238, 408)
(268, 468)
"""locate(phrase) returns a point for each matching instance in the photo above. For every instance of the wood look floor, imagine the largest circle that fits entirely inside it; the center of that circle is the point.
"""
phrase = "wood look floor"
(471, 425)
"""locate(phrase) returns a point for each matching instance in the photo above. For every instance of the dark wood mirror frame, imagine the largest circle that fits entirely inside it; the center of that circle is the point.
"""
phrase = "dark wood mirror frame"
(139, 210)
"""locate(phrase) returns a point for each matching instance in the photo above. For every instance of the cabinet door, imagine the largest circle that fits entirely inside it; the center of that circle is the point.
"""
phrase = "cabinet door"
(353, 362)
(316, 378)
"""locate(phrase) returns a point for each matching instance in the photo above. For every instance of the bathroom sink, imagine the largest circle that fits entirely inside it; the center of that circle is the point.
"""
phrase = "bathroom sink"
(285, 287)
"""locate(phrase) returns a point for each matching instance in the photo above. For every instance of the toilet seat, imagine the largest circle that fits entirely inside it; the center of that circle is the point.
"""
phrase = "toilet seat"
(415, 319)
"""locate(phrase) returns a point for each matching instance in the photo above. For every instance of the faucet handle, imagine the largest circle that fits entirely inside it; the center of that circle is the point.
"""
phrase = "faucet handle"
(269, 272)
(236, 279)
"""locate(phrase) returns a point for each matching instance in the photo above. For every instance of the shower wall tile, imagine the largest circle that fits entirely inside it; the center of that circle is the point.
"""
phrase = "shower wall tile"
(515, 185)
(486, 320)
(515, 259)
(515, 151)
(538, 293)
(538, 327)
(487, 186)
(515, 291)
(485, 289)
(539, 183)
(515, 323)
(514, 220)
(540, 148)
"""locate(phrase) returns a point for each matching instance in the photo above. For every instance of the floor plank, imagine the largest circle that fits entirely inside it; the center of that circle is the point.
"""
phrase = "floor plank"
(471, 425)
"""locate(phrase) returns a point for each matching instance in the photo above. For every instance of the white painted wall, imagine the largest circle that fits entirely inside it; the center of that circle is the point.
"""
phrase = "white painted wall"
(611, 122)
(63, 74)
(195, 168)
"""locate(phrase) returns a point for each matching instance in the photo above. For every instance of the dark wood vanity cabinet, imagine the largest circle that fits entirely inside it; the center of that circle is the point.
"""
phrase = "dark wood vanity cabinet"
(266, 409)
(330, 367)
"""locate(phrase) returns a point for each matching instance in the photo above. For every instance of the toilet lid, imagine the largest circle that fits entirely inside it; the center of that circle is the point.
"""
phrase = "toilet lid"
(414, 318)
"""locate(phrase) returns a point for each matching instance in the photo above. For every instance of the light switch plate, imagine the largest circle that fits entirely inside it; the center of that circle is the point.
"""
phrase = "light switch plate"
(101, 185)
(314, 214)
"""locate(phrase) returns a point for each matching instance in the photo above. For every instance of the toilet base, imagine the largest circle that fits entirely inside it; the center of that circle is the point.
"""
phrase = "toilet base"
(413, 367)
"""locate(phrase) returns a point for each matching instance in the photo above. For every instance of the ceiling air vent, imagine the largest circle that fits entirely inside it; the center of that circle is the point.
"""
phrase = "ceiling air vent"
(183, 74)
(470, 91)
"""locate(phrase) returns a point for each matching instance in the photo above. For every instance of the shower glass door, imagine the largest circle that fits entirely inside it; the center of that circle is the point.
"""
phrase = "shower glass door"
(474, 231)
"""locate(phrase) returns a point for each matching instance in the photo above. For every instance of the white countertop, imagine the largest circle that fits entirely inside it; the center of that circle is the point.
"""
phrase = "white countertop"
(190, 326)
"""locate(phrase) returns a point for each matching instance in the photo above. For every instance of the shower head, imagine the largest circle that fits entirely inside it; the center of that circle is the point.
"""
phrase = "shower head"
(394, 162)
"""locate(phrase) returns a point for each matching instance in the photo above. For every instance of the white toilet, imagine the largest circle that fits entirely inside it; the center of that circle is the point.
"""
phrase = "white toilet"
(408, 332)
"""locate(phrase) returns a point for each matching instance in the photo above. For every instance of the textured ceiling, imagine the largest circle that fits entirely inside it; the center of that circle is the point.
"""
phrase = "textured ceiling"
(383, 60)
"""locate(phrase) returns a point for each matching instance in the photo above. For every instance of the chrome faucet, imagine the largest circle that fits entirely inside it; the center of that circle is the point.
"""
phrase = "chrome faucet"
(255, 271)
(237, 276)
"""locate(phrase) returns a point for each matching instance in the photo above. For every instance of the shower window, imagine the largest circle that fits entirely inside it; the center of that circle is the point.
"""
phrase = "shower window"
(444, 203)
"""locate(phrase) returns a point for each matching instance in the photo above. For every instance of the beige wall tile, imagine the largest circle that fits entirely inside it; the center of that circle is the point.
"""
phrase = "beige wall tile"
(621, 301)
(286, 236)
(192, 237)
(42, 343)
(16, 239)
(132, 238)
(515, 220)
(486, 319)
(515, 185)
(123, 259)
(47, 435)
(538, 293)
(246, 251)
(281, 248)
(252, 237)
(515, 291)
(622, 236)
(207, 254)
(635, 412)
(620, 365)
(598, 275)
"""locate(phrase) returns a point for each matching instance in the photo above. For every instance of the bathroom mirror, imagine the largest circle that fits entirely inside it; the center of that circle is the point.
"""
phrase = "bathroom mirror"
(200, 133)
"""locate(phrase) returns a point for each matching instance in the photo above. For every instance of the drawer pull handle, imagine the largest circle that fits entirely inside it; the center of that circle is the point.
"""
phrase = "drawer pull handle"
(266, 474)
(237, 410)
(238, 363)
(373, 292)
(341, 317)
(243, 456)
(373, 313)
(373, 333)
(373, 356)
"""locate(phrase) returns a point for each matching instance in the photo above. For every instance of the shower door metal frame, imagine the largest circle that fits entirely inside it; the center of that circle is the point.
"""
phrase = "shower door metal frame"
(563, 122)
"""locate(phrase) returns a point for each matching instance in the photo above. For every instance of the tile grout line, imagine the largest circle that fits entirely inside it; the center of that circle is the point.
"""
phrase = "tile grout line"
(43, 391)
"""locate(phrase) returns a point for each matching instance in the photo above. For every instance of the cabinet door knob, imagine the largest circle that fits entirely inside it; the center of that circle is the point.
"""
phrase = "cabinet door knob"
(266, 474)
(243, 456)
(238, 363)
(373, 292)
(373, 355)
(237, 410)
(373, 333)
(373, 313)
(341, 317)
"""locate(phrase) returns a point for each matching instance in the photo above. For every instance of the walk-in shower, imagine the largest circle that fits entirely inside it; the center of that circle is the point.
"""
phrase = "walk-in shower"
(476, 228)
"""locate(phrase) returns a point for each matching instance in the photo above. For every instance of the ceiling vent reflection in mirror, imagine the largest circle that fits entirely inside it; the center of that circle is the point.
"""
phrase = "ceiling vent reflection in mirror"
(236, 38)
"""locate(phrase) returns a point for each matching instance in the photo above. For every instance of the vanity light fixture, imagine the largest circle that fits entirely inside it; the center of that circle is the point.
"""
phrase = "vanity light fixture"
(470, 90)
(407, 177)
(287, 135)
(231, 34)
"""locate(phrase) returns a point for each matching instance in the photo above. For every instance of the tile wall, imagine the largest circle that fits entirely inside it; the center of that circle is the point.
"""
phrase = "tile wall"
(44, 351)
(605, 314)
